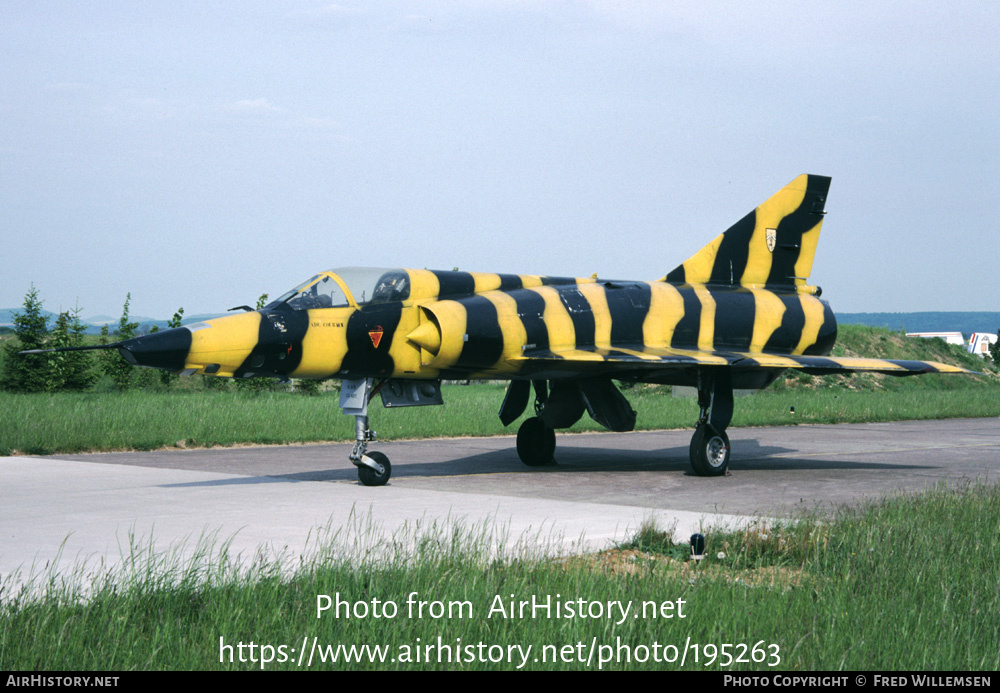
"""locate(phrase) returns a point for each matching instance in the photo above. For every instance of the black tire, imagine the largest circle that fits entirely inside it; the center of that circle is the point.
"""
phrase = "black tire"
(709, 451)
(536, 443)
(369, 477)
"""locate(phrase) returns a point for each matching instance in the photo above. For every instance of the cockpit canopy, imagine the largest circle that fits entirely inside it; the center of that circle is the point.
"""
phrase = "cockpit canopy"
(347, 286)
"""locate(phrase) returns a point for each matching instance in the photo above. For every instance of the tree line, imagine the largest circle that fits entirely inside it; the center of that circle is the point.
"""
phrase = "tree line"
(70, 371)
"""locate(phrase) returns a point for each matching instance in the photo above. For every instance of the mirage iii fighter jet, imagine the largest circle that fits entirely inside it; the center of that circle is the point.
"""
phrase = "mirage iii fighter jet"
(734, 315)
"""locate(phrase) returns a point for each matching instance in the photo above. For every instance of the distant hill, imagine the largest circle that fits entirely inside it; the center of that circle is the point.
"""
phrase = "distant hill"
(95, 322)
(7, 316)
(931, 321)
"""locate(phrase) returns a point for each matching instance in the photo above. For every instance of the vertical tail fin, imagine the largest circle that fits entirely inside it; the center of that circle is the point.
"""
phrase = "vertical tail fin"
(772, 246)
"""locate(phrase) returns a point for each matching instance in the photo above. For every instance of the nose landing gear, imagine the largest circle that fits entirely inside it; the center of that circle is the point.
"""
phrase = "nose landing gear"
(373, 467)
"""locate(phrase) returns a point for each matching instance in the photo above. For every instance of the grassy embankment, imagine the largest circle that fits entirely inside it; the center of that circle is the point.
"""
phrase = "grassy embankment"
(188, 415)
(907, 583)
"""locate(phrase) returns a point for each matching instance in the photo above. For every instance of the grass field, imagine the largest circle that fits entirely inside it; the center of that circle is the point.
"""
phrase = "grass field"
(189, 415)
(139, 420)
(904, 584)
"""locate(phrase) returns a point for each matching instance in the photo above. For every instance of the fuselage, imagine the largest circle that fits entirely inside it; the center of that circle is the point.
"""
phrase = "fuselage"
(419, 324)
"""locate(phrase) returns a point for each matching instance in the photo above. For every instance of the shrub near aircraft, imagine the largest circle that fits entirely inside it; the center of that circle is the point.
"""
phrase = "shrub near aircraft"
(734, 315)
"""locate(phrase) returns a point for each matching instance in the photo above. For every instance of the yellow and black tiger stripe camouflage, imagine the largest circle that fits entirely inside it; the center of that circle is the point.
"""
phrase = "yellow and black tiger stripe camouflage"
(742, 302)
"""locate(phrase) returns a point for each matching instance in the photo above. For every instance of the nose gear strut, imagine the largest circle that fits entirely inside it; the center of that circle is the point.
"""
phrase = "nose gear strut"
(373, 467)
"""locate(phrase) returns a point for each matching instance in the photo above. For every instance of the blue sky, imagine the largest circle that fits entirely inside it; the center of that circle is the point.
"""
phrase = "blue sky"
(198, 154)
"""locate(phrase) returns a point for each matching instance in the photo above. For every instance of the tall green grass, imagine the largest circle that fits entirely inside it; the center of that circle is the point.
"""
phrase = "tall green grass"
(139, 420)
(907, 583)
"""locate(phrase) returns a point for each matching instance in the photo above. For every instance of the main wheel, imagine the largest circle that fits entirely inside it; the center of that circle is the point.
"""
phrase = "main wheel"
(709, 451)
(536, 443)
(369, 477)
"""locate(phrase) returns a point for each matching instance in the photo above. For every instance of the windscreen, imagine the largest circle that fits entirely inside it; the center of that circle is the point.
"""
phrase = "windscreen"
(367, 285)
(322, 291)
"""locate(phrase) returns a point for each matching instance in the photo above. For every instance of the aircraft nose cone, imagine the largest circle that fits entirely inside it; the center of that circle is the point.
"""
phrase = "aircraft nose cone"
(167, 350)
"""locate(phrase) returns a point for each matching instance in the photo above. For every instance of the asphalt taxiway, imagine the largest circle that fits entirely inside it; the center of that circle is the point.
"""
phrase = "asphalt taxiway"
(84, 510)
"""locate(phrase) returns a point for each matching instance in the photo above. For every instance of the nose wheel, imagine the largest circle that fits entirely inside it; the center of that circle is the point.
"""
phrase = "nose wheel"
(373, 467)
(375, 475)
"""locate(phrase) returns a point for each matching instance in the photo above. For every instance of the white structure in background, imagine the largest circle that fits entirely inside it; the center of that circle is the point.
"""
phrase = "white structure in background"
(950, 337)
(979, 343)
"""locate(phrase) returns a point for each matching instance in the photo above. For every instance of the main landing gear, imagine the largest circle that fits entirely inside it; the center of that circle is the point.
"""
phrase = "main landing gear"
(536, 440)
(373, 467)
(565, 403)
(709, 451)
(536, 443)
